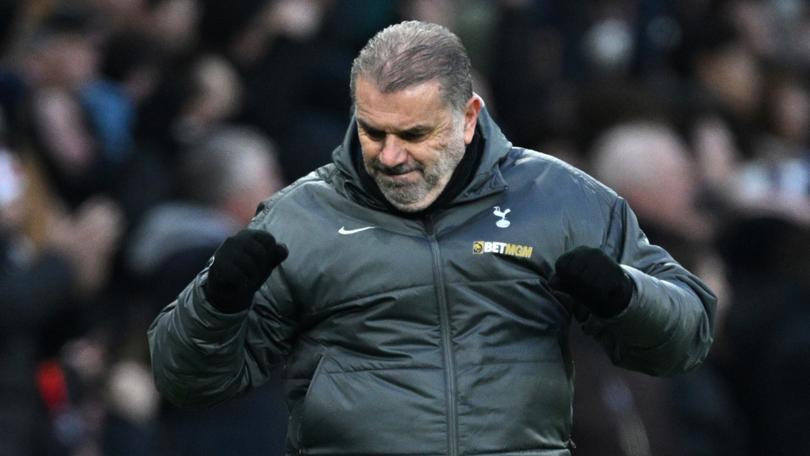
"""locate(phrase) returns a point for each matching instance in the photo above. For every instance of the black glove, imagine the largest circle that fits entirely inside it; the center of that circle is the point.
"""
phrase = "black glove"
(592, 279)
(241, 265)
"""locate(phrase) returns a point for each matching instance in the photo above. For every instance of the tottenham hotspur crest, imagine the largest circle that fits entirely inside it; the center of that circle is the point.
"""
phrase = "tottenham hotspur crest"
(502, 223)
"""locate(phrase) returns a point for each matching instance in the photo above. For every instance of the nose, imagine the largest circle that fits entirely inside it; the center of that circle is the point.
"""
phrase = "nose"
(393, 153)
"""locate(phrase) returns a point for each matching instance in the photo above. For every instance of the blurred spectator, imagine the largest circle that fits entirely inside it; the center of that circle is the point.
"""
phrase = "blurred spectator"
(77, 126)
(224, 177)
(173, 24)
(652, 167)
(295, 68)
(197, 94)
(768, 357)
(786, 114)
(649, 165)
(39, 286)
(537, 54)
(722, 75)
(777, 181)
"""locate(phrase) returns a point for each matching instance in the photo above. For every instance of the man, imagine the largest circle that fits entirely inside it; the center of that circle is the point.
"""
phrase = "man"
(419, 289)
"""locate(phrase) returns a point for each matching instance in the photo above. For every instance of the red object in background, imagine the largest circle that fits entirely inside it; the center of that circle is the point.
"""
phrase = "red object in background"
(52, 385)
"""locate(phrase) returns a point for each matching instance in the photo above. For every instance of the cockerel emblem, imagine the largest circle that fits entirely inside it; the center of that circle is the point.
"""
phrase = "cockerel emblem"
(502, 223)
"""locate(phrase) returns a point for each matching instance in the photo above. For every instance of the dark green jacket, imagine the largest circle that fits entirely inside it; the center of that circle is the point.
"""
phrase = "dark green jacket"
(434, 336)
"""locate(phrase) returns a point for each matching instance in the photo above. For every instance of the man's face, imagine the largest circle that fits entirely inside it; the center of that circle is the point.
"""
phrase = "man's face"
(411, 140)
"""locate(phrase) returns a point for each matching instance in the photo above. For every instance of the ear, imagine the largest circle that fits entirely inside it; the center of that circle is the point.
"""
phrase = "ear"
(471, 117)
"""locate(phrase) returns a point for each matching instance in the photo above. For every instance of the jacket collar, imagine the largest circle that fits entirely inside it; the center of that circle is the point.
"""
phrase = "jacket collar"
(486, 180)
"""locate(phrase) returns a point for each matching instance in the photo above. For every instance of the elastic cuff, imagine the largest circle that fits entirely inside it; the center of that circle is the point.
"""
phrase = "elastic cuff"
(230, 304)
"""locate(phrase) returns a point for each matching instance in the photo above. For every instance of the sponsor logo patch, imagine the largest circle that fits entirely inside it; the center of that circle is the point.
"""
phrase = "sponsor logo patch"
(502, 248)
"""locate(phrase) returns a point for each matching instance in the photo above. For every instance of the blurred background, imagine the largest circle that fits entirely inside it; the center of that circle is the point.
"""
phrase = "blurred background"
(135, 135)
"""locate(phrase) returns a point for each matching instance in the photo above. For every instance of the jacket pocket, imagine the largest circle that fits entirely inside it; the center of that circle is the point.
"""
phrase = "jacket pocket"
(302, 409)
(515, 405)
(381, 411)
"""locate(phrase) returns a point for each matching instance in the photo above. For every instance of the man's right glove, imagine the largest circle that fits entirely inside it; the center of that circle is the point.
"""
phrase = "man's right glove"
(241, 265)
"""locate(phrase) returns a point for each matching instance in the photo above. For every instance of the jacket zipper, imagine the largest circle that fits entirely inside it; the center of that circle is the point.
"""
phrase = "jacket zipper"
(447, 347)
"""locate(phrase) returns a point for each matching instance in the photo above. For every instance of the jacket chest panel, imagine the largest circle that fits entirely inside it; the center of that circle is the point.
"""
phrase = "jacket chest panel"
(497, 266)
(509, 238)
(364, 263)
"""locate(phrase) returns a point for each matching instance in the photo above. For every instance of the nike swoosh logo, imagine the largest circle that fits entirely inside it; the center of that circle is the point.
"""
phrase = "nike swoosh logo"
(343, 230)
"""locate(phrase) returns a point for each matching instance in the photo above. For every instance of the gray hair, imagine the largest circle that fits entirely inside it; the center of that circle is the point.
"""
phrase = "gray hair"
(412, 52)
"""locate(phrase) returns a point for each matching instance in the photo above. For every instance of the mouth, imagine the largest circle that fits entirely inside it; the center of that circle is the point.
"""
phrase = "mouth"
(405, 177)
(403, 171)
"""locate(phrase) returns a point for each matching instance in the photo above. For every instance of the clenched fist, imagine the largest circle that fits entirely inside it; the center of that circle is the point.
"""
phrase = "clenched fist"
(593, 280)
(241, 265)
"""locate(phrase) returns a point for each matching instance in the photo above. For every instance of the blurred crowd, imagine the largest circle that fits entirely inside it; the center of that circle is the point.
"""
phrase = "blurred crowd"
(135, 135)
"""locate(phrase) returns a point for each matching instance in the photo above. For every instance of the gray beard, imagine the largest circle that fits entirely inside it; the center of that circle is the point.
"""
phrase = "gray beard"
(414, 197)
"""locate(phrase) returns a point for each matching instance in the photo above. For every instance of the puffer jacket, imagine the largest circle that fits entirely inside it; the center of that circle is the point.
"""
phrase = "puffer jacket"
(433, 336)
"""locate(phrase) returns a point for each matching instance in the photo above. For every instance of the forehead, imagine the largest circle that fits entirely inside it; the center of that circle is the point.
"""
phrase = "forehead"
(419, 104)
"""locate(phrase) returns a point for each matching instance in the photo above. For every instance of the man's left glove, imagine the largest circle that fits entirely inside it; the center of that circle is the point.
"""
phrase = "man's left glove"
(593, 280)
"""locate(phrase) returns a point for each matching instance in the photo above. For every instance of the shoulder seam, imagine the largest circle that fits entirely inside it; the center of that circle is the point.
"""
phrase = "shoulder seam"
(270, 203)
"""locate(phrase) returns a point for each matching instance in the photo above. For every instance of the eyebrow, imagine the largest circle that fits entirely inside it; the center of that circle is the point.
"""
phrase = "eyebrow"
(414, 131)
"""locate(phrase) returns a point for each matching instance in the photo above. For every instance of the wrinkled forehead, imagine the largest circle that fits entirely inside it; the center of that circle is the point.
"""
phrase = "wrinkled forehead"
(417, 104)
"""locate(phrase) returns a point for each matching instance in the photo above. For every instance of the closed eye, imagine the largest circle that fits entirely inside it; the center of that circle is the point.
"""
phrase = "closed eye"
(413, 135)
(374, 134)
